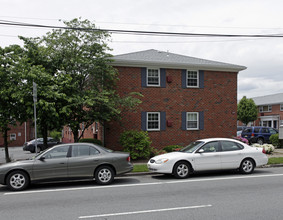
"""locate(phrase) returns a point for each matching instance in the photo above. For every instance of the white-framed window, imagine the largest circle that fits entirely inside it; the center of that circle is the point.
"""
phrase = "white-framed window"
(13, 137)
(281, 107)
(193, 78)
(153, 121)
(153, 77)
(265, 108)
(192, 121)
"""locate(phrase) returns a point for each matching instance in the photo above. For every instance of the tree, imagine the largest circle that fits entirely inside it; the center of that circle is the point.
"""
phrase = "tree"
(10, 91)
(50, 86)
(80, 53)
(247, 110)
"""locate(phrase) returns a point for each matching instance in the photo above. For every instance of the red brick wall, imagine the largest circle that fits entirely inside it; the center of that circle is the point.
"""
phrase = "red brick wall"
(218, 100)
(21, 132)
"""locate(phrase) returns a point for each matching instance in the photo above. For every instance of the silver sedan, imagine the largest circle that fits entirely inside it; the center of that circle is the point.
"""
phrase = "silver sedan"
(65, 162)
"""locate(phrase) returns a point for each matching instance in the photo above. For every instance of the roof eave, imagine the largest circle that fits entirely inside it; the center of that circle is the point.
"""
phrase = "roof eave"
(210, 67)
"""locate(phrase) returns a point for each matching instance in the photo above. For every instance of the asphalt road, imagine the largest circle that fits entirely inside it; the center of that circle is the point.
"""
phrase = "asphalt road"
(218, 195)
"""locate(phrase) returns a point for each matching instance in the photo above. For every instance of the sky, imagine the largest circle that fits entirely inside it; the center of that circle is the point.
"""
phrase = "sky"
(263, 57)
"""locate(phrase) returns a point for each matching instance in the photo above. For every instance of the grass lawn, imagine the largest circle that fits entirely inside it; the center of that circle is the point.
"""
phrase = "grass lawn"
(140, 168)
(275, 160)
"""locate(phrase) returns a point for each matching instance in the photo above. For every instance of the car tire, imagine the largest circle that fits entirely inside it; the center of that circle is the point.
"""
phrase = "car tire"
(182, 170)
(17, 180)
(104, 175)
(247, 166)
(260, 141)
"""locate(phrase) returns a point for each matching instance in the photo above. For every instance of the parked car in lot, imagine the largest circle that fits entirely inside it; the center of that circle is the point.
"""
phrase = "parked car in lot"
(258, 134)
(30, 145)
(209, 154)
(240, 130)
(66, 162)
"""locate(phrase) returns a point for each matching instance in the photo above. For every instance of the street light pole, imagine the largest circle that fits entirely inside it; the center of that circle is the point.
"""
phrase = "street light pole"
(34, 109)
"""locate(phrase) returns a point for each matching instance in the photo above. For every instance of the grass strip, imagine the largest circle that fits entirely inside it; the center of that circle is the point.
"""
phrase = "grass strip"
(140, 168)
(275, 160)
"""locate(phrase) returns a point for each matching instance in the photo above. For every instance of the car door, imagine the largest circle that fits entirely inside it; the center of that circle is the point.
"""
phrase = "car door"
(232, 154)
(52, 165)
(208, 157)
(265, 134)
(83, 161)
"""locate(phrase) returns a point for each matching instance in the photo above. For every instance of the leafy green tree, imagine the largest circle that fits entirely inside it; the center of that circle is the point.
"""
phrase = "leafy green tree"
(80, 52)
(247, 110)
(50, 85)
(11, 101)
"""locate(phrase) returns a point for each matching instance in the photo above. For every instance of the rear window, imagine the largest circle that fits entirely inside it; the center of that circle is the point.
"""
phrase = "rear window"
(247, 130)
(264, 130)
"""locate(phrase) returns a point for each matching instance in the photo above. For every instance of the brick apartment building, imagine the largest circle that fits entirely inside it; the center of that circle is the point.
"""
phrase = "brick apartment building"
(270, 108)
(184, 98)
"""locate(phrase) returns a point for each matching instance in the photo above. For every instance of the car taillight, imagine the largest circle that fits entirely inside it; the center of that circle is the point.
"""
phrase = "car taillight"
(129, 159)
(263, 150)
(253, 134)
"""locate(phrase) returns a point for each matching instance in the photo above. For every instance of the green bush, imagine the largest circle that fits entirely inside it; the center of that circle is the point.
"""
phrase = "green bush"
(137, 143)
(56, 134)
(171, 148)
(90, 140)
(274, 140)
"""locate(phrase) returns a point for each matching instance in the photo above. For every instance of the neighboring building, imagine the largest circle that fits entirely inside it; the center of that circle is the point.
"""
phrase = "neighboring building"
(19, 134)
(93, 131)
(270, 108)
(184, 98)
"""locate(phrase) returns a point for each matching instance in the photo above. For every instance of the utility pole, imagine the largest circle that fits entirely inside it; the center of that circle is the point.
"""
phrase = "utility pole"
(34, 107)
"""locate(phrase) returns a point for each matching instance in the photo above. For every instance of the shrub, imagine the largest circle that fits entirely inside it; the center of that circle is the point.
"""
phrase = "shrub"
(171, 148)
(90, 140)
(244, 140)
(274, 140)
(137, 143)
(269, 148)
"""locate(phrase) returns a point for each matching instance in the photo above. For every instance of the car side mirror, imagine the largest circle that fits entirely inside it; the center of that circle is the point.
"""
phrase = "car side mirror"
(201, 151)
(42, 158)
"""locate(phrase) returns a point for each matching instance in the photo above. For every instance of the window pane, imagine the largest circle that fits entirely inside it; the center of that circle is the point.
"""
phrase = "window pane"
(153, 121)
(192, 78)
(192, 120)
(153, 77)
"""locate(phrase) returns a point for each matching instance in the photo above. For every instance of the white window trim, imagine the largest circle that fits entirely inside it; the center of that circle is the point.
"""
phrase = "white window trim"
(155, 129)
(150, 85)
(192, 129)
(187, 74)
(261, 108)
(281, 107)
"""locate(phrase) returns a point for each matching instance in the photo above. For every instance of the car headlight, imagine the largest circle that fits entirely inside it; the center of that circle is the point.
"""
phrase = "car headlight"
(162, 160)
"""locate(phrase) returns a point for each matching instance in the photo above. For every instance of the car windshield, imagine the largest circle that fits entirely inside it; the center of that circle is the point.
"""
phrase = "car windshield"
(192, 147)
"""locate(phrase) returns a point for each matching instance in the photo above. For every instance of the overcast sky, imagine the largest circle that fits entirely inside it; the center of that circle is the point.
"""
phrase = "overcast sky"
(263, 57)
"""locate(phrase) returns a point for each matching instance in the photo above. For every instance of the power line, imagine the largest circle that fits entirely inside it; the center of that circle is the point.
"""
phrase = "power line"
(138, 32)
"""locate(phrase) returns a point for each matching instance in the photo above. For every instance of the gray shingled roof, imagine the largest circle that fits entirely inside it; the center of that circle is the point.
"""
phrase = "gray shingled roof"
(166, 59)
(269, 99)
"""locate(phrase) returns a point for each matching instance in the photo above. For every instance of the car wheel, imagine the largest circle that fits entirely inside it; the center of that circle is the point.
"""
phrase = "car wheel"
(17, 180)
(247, 166)
(260, 141)
(104, 175)
(181, 170)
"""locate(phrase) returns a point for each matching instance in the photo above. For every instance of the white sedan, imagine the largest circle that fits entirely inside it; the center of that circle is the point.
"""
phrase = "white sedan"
(209, 154)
